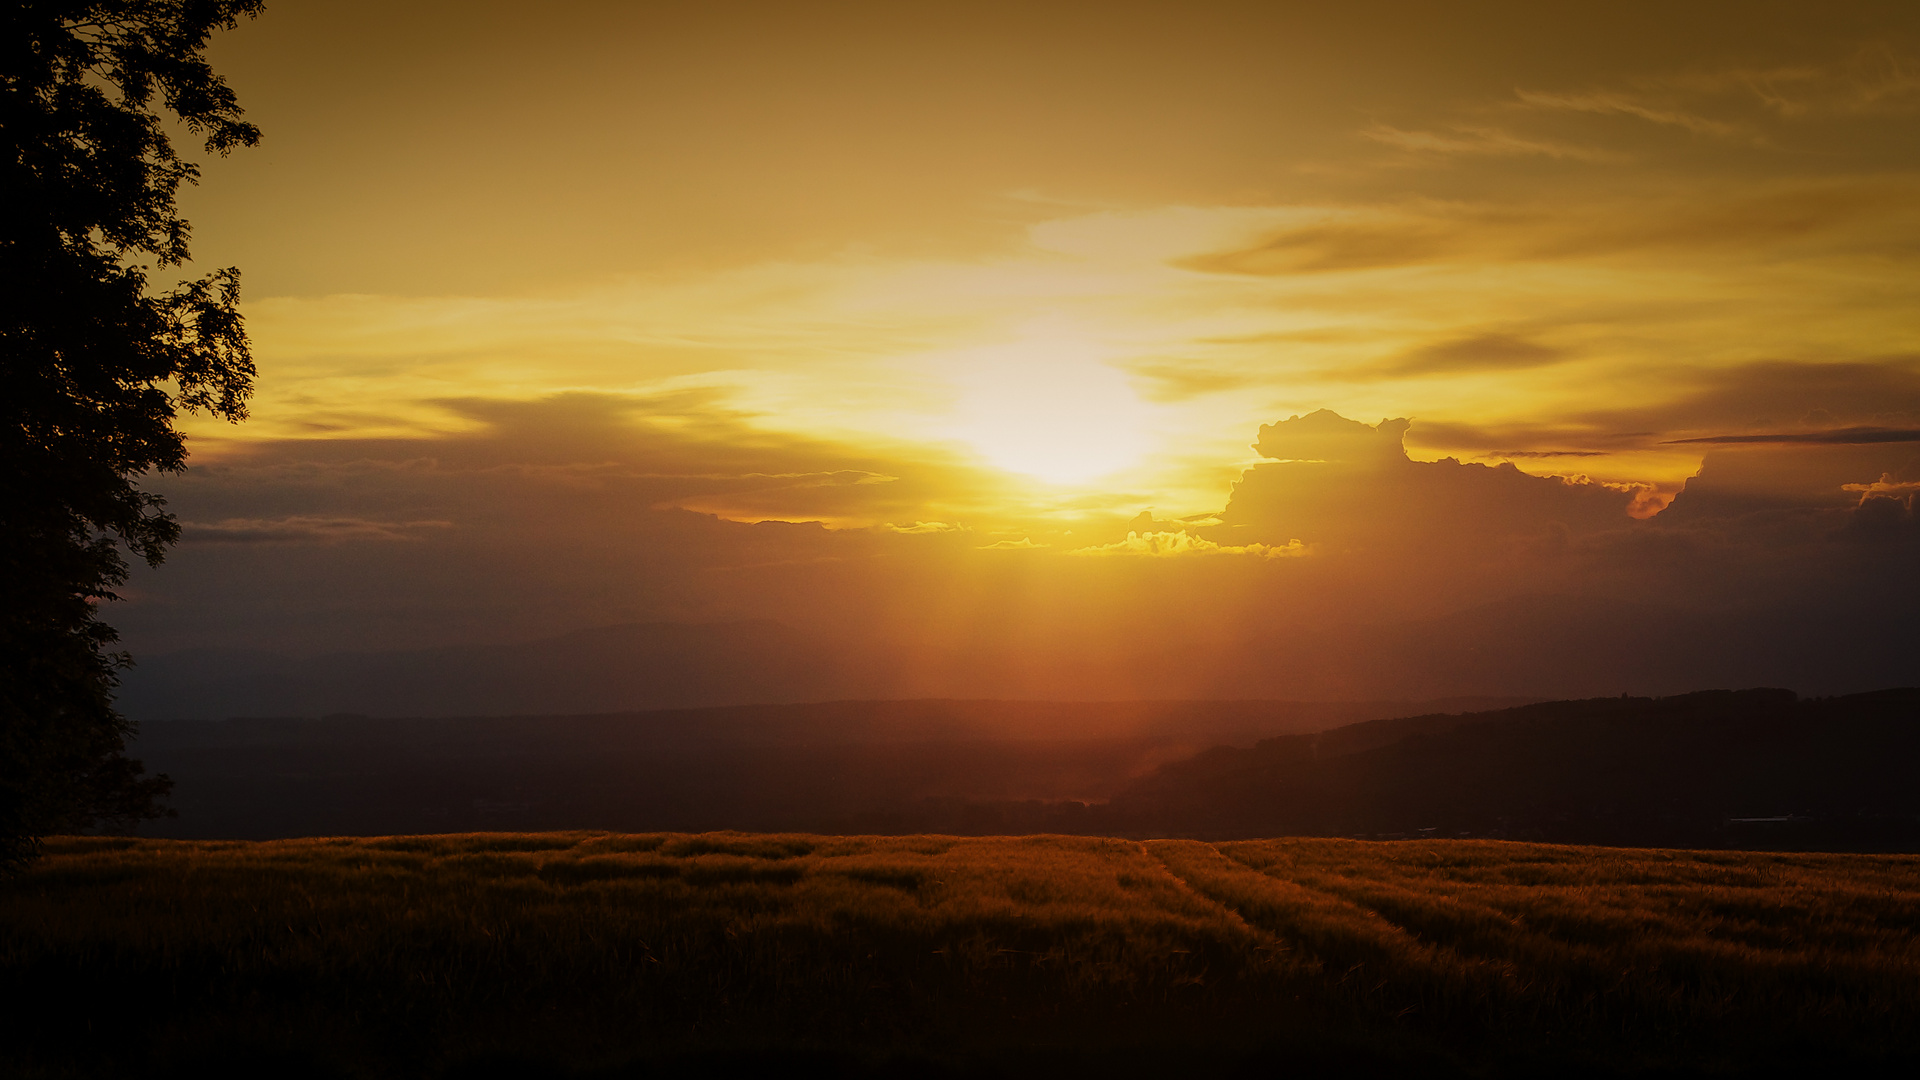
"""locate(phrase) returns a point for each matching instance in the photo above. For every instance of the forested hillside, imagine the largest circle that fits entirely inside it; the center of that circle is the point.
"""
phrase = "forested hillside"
(1718, 768)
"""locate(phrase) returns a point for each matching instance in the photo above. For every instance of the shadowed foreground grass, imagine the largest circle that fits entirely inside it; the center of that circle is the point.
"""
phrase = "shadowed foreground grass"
(596, 954)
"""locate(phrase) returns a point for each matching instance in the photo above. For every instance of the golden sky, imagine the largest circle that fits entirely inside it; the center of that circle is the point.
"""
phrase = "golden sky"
(976, 277)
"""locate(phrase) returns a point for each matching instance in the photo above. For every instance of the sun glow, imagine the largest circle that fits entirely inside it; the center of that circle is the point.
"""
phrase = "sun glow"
(1050, 407)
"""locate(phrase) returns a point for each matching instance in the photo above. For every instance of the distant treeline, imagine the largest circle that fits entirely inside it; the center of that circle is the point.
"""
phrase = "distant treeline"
(1758, 769)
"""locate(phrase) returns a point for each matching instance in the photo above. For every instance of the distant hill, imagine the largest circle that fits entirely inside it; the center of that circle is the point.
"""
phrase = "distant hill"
(816, 766)
(1718, 768)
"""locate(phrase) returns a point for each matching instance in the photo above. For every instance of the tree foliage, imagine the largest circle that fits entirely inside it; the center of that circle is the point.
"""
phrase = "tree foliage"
(96, 366)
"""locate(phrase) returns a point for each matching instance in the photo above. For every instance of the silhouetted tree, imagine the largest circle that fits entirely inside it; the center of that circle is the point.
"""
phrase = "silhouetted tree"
(95, 368)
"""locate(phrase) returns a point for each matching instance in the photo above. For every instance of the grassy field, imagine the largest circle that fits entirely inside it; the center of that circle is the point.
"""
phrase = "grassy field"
(584, 954)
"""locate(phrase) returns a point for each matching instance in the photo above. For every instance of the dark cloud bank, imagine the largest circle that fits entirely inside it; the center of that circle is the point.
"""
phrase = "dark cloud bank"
(548, 566)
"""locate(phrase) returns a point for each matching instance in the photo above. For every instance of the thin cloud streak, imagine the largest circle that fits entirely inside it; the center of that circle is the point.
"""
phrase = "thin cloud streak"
(1856, 436)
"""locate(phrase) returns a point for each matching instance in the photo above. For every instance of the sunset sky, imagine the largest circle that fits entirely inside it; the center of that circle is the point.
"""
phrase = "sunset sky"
(948, 333)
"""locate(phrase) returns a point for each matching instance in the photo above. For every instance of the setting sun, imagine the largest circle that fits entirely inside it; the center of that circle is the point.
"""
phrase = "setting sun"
(1049, 406)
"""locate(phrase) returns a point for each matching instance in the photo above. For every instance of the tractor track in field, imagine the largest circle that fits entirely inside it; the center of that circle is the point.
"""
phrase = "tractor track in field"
(1234, 914)
(1276, 927)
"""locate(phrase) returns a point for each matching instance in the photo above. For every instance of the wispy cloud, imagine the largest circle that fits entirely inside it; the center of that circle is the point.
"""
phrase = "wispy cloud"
(1853, 436)
(1720, 103)
(1623, 103)
(1483, 141)
(1494, 351)
(297, 529)
(1875, 78)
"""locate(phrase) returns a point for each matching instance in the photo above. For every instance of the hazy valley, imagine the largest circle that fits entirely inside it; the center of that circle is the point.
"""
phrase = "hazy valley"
(1758, 768)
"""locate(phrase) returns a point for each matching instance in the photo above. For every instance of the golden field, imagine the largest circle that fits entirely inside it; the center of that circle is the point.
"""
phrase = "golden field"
(608, 954)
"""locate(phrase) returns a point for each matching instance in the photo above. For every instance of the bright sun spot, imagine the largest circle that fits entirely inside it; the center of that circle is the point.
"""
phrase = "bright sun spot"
(1049, 407)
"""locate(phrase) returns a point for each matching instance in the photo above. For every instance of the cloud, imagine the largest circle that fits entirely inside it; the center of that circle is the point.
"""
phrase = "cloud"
(1538, 437)
(576, 510)
(298, 529)
(696, 449)
(1177, 382)
(1326, 436)
(1853, 436)
(1169, 545)
(1883, 519)
(1349, 488)
(1484, 141)
(1346, 241)
(1685, 413)
(1886, 488)
(1791, 481)
(1832, 402)
(1854, 214)
(1627, 104)
(1879, 79)
(1480, 352)
(1874, 78)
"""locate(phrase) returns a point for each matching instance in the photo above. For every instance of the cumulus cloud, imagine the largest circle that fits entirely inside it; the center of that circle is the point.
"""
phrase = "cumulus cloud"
(1326, 436)
(1885, 488)
(1794, 480)
(1350, 491)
